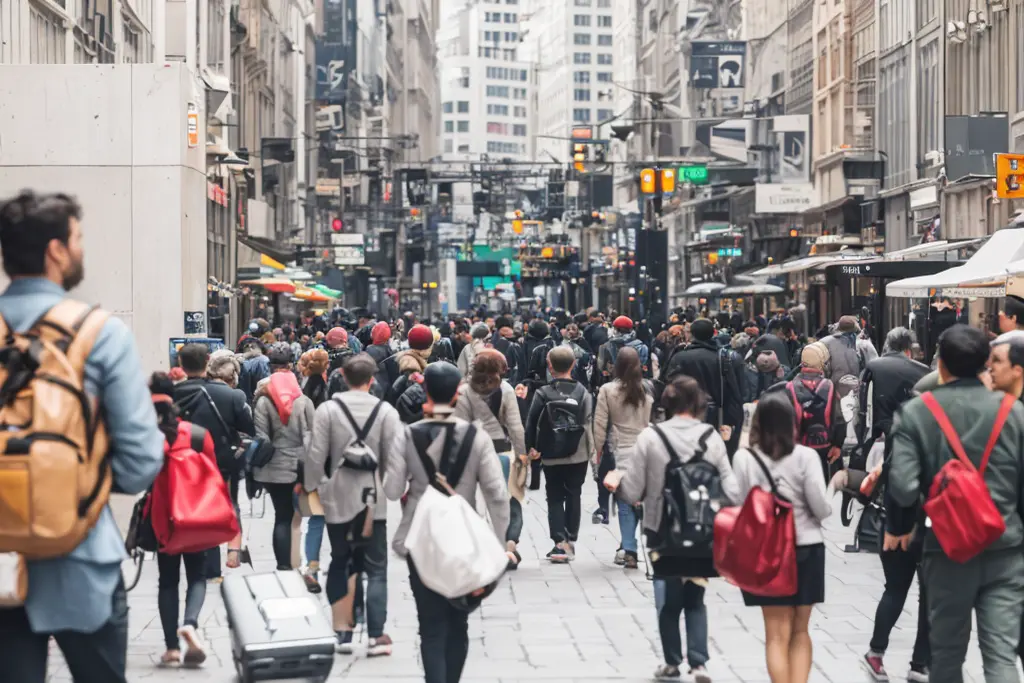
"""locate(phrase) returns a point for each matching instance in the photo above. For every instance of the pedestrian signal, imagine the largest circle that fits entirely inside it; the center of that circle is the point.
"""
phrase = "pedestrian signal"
(1010, 176)
(648, 181)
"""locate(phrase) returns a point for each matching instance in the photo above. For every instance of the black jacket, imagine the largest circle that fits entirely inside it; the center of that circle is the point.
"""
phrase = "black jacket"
(714, 369)
(515, 358)
(890, 379)
(231, 405)
(596, 336)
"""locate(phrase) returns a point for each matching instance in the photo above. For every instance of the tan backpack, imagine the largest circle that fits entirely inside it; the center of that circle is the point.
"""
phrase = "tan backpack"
(55, 477)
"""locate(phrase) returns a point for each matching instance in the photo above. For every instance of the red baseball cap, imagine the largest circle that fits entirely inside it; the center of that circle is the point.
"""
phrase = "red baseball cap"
(623, 324)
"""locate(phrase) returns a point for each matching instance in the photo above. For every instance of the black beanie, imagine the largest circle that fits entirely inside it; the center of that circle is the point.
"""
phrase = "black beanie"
(441, 382)
(702, 329)
(539, 329)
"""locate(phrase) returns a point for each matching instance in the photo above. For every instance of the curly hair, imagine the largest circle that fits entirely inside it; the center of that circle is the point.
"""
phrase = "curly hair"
(489, 366)
(316, 362)
(224, 366)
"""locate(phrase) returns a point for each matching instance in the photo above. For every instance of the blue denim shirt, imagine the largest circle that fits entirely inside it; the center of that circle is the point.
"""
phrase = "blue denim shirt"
(75, 592)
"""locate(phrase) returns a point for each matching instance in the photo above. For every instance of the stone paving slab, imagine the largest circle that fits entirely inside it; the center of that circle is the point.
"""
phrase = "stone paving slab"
(587, 621)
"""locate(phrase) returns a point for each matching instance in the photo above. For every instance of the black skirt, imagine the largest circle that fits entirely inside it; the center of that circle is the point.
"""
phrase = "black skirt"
(810, 581)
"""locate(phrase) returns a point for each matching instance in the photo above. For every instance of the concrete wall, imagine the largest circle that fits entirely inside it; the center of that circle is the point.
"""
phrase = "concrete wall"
(116, 137)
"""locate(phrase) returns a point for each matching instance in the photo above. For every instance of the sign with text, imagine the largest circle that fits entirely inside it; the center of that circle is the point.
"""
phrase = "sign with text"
(1010, 176)
(793, 198)
(348, 249)
(694, 175)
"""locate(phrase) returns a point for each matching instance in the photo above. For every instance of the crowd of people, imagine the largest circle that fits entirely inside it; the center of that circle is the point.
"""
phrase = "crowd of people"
(683, 429)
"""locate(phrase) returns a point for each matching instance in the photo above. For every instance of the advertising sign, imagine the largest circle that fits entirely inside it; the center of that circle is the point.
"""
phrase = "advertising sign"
(348, 249)
(718, 64)
(792, 139)
(794, 198)
(1010, 176)
(175, 344)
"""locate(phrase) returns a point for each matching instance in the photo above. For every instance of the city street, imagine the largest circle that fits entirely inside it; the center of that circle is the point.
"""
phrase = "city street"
(589, 621)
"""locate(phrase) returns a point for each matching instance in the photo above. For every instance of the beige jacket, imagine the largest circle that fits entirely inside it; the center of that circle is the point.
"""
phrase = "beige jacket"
(619, 426)
(509, 423)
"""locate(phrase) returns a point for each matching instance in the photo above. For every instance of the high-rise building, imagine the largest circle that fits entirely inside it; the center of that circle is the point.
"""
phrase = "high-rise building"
(486, 86)
(575, 70)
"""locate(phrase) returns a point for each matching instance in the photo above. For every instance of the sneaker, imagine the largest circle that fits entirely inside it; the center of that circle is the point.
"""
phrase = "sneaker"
(873, 660)
(917, 674)
(312, 580)
(620, 557)
(558, 555)
(700, 674)
(599, 517)
(379, 647)
(666, 672)
(195, 655)
(344, 645)
(630, 561)
(570, 550)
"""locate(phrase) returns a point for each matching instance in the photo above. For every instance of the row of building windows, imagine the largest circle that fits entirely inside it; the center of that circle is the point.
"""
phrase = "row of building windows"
(601, 4)
(504, 91)
(503, 109)
(584, 77)
(501, 128)
(496, 53)
(584, 39)
(453, 126)
(583, 115)
(495, 37)
(584, 58)
(462, 107)
(499, 2)
(603, 20)
(494, 147)
(503, 73)
(496, 17)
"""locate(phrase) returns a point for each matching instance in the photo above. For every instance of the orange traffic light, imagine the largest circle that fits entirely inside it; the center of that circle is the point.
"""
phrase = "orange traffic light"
(414, 212)
(580, 167)
(668, 180)
(517, 226)
(647, 181)
(794, 232)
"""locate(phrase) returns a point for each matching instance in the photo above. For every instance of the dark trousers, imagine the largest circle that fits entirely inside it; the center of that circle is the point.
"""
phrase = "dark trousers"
(169, 567)
(212, 569)
(98, 657)
(674, 598)
(282, 498)
(606, 465)
(444, 633)
(564, 488)
(992, 586)
(370, 558)
(900, 567)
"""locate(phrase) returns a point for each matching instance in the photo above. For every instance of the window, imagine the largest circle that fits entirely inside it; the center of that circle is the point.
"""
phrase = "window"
(447, 107)
(449, 126)
(511, 18)
(604, 4)
(519, 130)
(135, 42)
(583, 3)
(604, 59)
(581, 39)
(46, 36)
(464, 81)
(604, 114)
(581, 77)
(495, 128)
(604, 77)
(497, 91)
(604, 21)
(214, 34)
(581, 58)
(497, 109)
(519, 93)
(463, 148)
(463, 126)
(581, 94)
(519, 112)
(448, 146)
(463, 107)
(581, 20)
(604, 41)
(522, 75)
(581, 115)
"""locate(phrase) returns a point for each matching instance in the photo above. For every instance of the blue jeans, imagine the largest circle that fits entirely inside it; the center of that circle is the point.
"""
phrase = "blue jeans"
(314, 538)
(515, 518)
(673, 597)
(370, 558)
(627, 526)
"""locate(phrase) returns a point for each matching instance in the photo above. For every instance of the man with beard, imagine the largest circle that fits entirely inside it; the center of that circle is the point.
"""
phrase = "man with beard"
(78, 598)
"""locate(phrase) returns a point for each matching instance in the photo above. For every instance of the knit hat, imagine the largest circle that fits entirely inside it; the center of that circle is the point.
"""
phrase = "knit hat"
(420, 338)
(623, 324)
(815, 356)
(702, 329)
(539, 329)
(336, 337)
(381, 333)
(848, 324)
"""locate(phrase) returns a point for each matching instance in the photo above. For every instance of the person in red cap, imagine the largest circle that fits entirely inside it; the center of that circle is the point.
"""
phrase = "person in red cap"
(380, 350)
(410, 366)
(622, 335)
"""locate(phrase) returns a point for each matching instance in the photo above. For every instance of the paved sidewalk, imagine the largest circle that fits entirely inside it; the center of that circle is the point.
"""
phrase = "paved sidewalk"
(588, 621)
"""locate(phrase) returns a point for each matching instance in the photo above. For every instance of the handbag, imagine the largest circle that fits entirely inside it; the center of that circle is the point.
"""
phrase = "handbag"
(140, 529)
(755, 544)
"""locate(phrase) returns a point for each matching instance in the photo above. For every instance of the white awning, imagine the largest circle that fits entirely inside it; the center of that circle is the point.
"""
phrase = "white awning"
(988, 265)
(929, 249)
(807, 262)
(704, 289)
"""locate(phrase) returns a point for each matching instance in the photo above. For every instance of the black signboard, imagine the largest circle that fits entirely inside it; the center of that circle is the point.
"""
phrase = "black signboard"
(195, 322)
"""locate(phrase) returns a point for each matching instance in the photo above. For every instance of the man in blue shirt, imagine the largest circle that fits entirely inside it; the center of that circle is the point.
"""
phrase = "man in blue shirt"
(79, 599)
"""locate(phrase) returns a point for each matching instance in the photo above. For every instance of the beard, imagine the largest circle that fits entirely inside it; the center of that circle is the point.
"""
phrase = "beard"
(73, 276)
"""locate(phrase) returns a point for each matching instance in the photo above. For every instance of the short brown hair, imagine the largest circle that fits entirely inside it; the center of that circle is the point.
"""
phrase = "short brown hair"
(561, 359)
(684, 395)
(359, 369)
(773, 428)
(489, 366)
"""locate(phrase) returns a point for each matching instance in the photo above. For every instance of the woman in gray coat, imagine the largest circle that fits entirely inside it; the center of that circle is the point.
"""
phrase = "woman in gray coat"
(287, 427)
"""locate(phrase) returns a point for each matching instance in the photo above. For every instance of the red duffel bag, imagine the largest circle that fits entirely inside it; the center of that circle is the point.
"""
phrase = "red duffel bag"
(190, 507)
(755, 544)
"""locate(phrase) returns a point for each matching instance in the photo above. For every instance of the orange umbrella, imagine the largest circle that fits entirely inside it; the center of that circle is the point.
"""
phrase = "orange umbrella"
(307, 294)
(272, 284)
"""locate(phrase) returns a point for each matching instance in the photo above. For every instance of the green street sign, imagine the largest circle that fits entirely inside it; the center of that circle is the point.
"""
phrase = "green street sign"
(694, 175)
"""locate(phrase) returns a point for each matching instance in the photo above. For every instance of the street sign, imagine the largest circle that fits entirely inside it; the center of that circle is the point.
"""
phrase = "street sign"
(694, 175)
(348, 249)
(1010, 176)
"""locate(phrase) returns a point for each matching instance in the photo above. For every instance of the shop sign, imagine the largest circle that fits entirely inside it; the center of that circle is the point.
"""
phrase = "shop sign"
(216, 194)
(789, 198)
(193, 125)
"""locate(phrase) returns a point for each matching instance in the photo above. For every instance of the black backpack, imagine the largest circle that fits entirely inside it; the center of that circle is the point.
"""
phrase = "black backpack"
(692, 497)
(560, 428)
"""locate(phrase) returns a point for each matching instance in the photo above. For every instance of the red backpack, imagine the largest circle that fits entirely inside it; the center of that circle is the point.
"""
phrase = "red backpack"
(283, 389)
(812, 401)
(190, 507)
(963, 516)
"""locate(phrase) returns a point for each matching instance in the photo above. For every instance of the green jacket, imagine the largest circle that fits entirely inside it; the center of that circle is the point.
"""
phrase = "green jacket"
(920, 450)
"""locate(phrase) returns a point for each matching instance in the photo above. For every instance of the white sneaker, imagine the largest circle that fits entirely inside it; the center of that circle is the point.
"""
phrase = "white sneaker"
(379, 647)
(700, 674)
(620, 557)
(917, 676)
(195, 655)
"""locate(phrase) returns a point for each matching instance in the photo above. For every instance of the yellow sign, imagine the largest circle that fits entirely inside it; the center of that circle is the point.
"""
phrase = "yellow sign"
(1010, 176)
(193, 125)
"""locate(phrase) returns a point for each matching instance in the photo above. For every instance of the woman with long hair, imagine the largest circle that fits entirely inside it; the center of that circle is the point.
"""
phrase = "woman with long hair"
(615, 433)
(490, 400)
(797, 474)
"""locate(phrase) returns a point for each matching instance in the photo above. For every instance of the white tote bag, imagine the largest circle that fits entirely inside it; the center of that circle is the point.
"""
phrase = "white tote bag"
(454, 549)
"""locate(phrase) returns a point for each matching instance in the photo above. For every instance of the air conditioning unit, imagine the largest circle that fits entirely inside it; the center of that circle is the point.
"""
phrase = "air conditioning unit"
(934, 158)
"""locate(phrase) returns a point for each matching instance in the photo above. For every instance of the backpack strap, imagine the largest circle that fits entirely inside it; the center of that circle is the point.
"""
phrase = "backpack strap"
(796, 406)
(953, 438)
(764, 468)
(453, 470)
(360, 433)
(197, 436)
(73, 326)
(702, 444)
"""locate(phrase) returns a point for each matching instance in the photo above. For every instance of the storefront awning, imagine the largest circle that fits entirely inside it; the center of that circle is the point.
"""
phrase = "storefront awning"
(929, 249)
(757, 289)
(806, 263)
(704, 289)
(272, 284)
(987, 267)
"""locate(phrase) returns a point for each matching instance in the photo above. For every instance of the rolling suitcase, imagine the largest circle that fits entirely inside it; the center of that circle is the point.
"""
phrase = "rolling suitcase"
(278, 630)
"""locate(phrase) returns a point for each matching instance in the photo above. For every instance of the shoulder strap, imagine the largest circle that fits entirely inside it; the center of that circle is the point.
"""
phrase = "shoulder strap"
(198, 436)
(796, 405)
(360, 433)
(453, 470)
(422, 437)
(494, 400)
(952, 437)
(672, 455)
(74, 327)
(764, 468)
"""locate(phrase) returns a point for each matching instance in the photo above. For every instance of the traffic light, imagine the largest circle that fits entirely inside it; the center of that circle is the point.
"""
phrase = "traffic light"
(579, 156)
(337, 225)
(648, 181)
(517, 226)
(668, 180)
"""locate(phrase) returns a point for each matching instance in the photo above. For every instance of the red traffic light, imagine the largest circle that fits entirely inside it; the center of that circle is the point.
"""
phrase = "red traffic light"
(337, 225)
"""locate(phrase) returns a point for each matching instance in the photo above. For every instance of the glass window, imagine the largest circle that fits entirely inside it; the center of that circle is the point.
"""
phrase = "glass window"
(581, 77)
(581, 115)
(449, 126)
(448, 146)
(604, 21)
(583, 3)
(604, 77)
(581, 39)
(519, 130)
(581, 58)
(604, 41)
(604, 59)
(581, 20)
(581, 94)
(447, 107)
(604, 114)
(463, 126)
(604, 4)
(463, 107)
